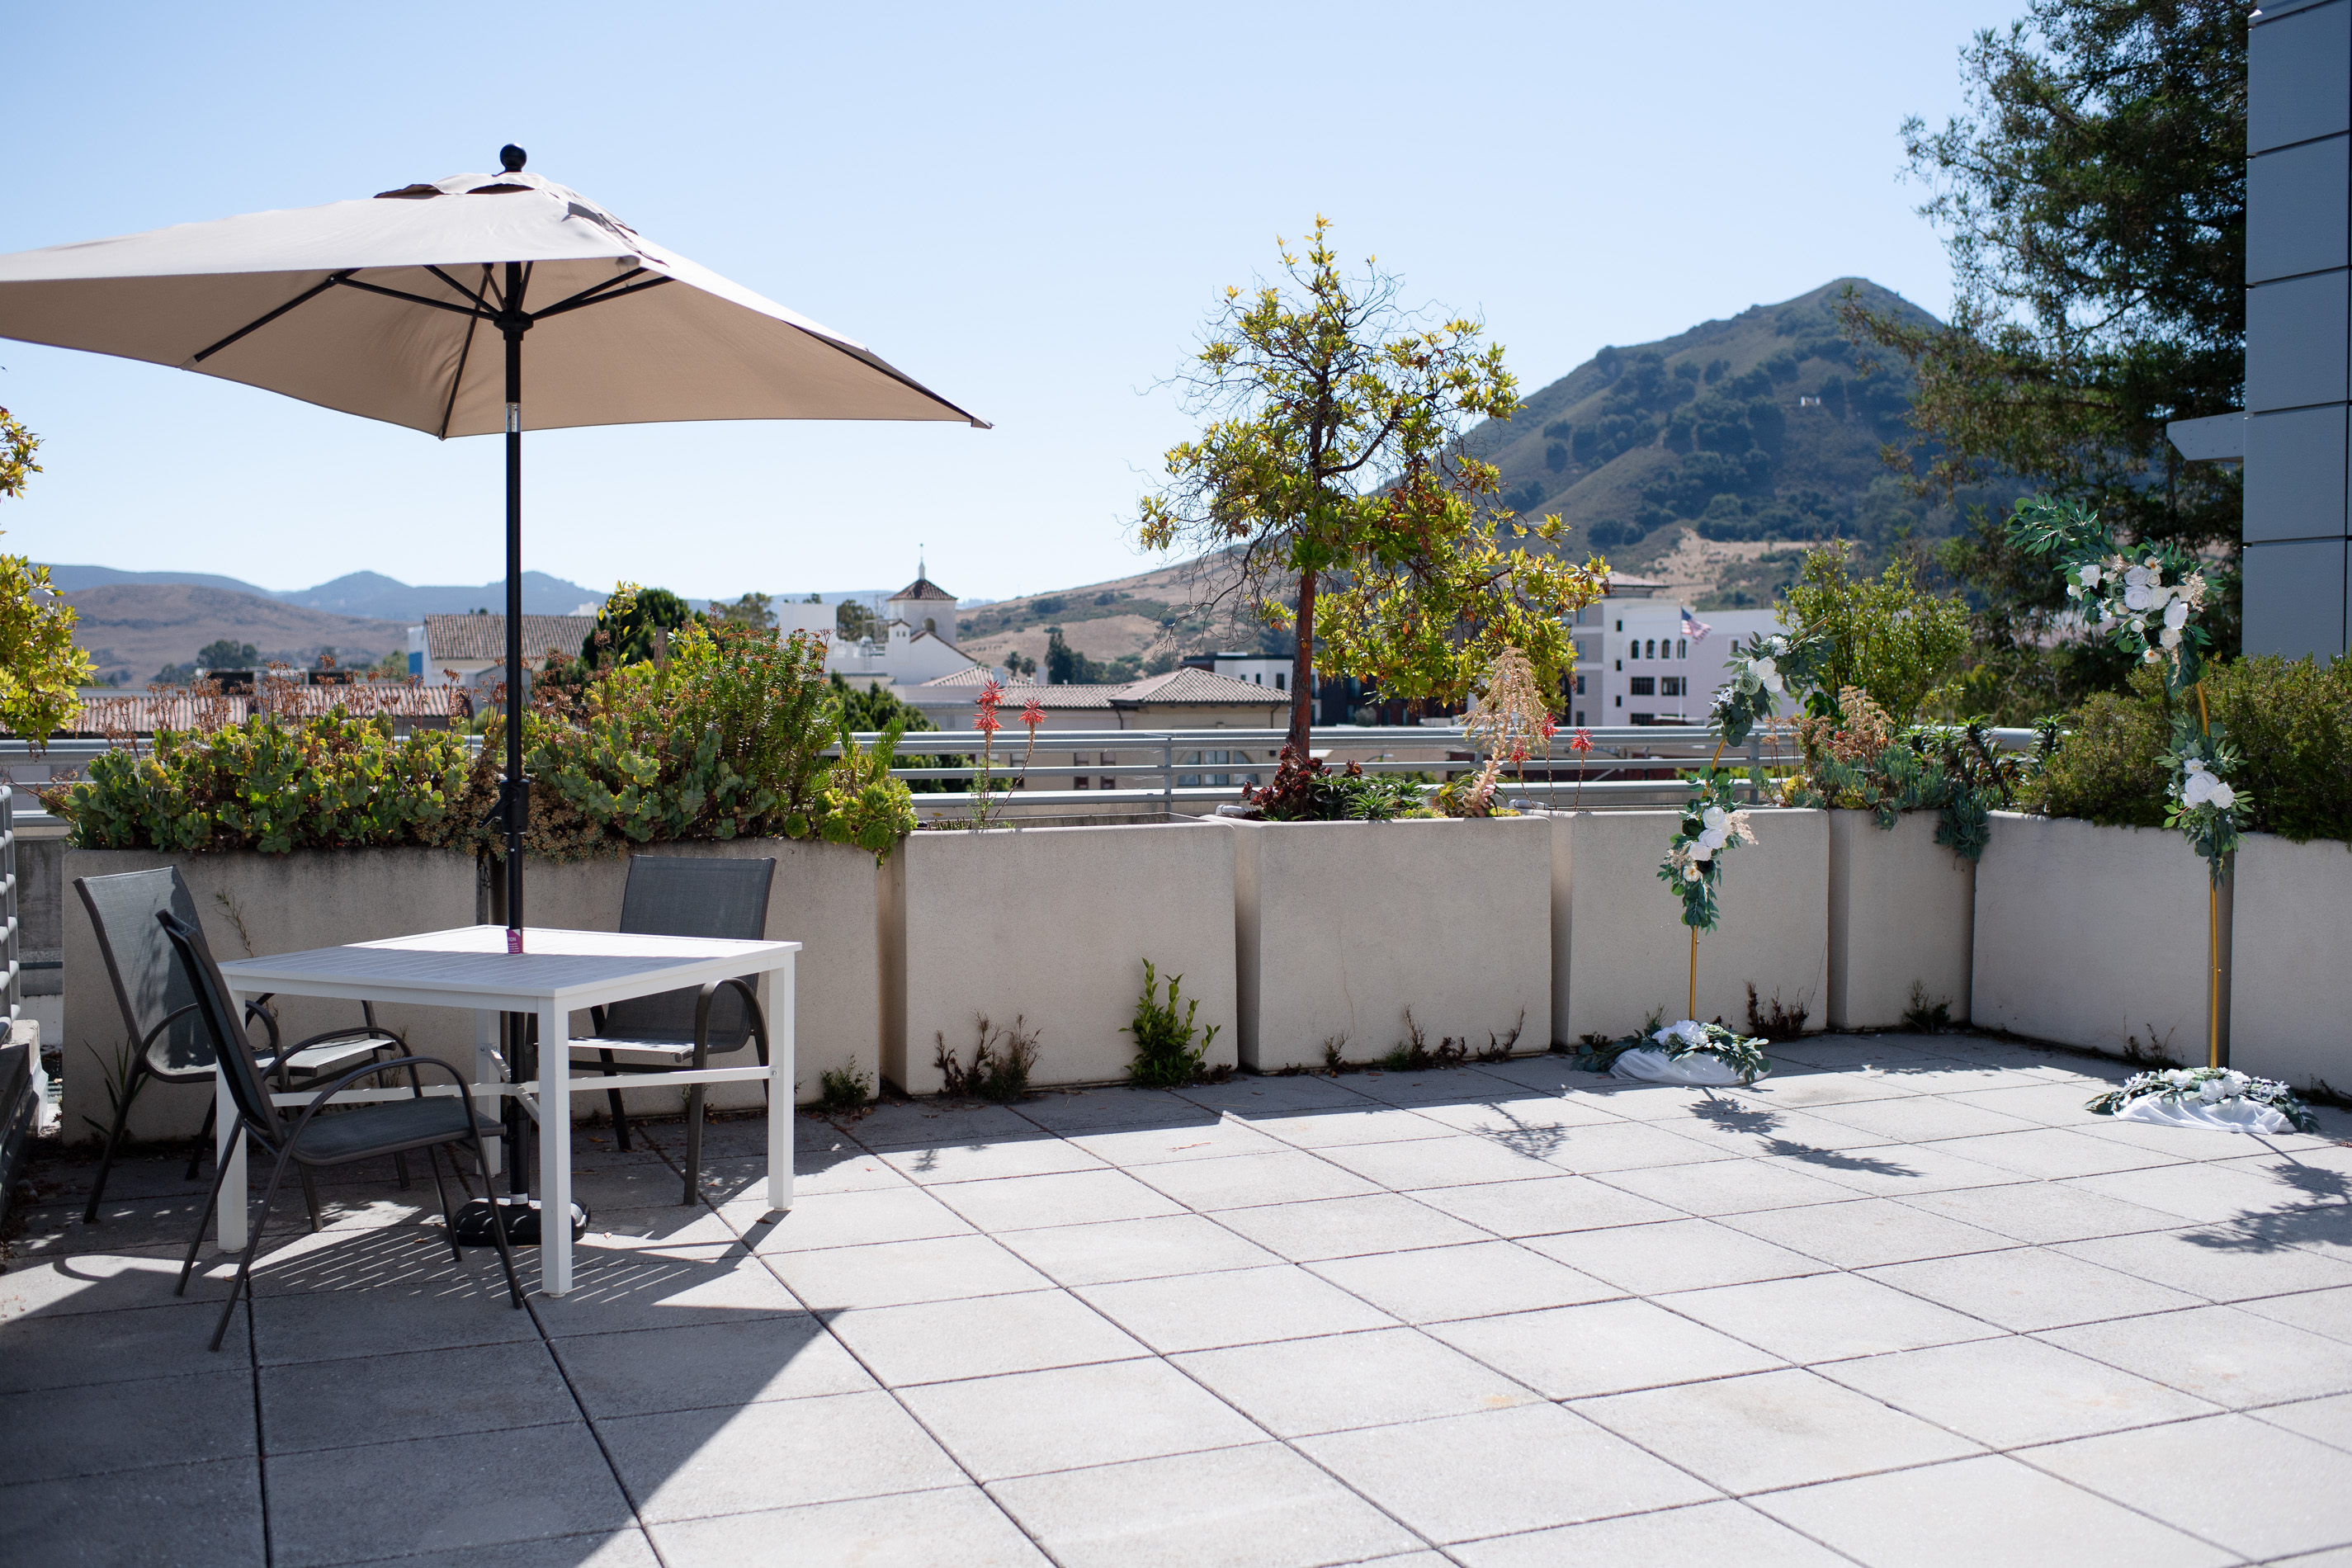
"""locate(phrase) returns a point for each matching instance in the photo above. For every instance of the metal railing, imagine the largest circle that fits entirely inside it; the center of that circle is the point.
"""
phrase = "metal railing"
(1176, 772)
(11, 928)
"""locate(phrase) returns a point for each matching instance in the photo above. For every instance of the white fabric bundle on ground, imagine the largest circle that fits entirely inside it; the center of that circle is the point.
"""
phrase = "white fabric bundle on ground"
(2238, 1115)
(1650, 1065)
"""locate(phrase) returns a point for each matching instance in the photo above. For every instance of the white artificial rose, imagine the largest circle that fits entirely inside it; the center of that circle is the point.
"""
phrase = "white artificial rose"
(2072, 591)
(2090, 575)
(1690, 873)
(2175, 613)
(2171, 637)
(1780, 646)
(2224, 797)
(1712, 839)
(2198, 787)
(2138, 596)
(1701, 849)
(2140, 577)
(1713, 816)
(2211, 1090)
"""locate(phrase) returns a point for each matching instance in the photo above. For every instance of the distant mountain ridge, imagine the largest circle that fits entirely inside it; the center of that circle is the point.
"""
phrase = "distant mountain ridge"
(369, 595)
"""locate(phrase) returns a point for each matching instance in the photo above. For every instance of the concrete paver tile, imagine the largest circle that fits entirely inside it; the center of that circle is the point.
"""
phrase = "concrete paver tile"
(2042, 1212)
(1546, 1207)
(955, 1527)
(1922, 1119)
(2327, 1420)
(1099, 1110)
(1038, 1154)
(1863, 1233)
(1980, 1512)
(1826, 1317)
(2231, 1357)
(602, 1549)
(933, 1341)
(1159, 1145)
(1234, 1307)
(1669, 1538)
(893, 1273)
(1630, 1146)
(1901, 1170)
(2217, 1263)
(1677, 1255)
(2285, 1492)
(2007, 1392)
(1607, 1347)
(1028, 1423)
(847, 1220)
(2207, 1192)
(1348, 1227)
(693, 1464)
(1240, 1508)
(1482, 1278)
(654, 1293)
(1772, 1429)
(1256, 1098)
(1463, 1160)
(2053, 1154)
(177, 1516)
(1135, 1249)
(387, 1396)
(1730, 1187)
(707, 1365)
(1343, 1381)
(451, 1492)
(1355, 1120)
(936, 1123)
(1245, 1181)
(125, 1346)
(2326, 1312)
(1078, 1198)
(1440, 1477)
(92, 1428)
(2031, 1288)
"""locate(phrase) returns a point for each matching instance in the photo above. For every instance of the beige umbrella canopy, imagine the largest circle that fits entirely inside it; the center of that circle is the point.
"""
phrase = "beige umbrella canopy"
(420, 307)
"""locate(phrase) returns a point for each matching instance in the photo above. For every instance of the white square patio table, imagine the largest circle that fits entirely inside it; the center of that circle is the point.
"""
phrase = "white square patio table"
(558, 973)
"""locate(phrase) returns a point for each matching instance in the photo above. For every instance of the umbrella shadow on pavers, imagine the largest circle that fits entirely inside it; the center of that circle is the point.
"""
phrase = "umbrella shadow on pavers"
(404, 1406)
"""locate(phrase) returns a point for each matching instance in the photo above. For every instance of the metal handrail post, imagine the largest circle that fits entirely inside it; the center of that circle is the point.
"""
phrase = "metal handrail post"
(1168, 775)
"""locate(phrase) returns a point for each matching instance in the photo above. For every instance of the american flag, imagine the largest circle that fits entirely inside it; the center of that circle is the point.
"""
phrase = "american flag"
(1695, 628)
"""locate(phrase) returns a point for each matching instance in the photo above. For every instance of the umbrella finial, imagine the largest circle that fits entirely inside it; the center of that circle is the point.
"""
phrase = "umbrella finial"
(512, 158)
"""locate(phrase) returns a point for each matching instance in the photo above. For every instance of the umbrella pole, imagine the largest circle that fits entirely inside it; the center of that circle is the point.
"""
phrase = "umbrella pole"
(514, 323)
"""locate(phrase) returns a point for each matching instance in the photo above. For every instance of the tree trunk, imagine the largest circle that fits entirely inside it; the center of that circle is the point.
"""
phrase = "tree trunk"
(1302, 669)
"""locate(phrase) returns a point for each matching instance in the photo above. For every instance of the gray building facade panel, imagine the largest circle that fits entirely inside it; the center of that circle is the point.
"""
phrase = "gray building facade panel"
(2299, 57)
(2298, 342)
(2300, 586)
(2296, 209)
(2298, 537)
(2295, 473)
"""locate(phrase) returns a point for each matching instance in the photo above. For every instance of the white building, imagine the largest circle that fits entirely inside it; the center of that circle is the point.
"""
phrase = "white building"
(463, 650)
(1637, 661)
(916, 641)
(1269, 670)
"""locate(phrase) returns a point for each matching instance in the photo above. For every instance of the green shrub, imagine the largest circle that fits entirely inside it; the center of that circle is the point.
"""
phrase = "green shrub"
(1891, 638)
(727, 740)
(2292, 720)
(1165, 1057)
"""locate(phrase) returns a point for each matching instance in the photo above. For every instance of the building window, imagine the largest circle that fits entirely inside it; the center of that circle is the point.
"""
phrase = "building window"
(1579, 718)
(1670, 686)
(1281, 679)
(1620, 702)
(1580, 685)
(1642, 686)
(1641, 719)
(1654, 649)
(1620, 664)
(1682, 647)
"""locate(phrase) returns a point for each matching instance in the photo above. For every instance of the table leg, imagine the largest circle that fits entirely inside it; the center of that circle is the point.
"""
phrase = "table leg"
(782, 1083)
(485, 1071)
(555, 1151)
(229, 1218)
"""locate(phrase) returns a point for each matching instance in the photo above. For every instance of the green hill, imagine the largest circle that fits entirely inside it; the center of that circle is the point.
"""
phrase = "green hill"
(1759, 432)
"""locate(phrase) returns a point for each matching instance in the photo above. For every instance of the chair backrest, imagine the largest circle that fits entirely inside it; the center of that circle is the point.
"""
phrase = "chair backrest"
(218, 1016)
(675, 895)
(149, 983)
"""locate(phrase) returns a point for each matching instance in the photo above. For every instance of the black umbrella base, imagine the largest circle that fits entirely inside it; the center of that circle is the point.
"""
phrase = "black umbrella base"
(522, 1221)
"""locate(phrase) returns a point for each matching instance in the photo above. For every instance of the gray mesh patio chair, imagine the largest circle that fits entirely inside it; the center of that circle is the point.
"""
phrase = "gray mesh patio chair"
(676, 896)
(349, 1134)
(165, 1040)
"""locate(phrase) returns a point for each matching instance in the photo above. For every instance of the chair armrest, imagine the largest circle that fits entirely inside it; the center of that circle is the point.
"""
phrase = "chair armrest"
(319, 1101)
(166, 1022)
(702, 1016)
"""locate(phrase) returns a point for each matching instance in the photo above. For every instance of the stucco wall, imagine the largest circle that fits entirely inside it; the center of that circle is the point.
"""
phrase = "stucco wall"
(1628, 951)
(1340, 926)
(2093, 937)
(1902, 911)
(2293, 934)
(823, 897)
(1052, 926)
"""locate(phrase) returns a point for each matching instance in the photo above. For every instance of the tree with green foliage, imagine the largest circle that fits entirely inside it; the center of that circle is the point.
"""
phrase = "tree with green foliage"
(1888, 637)
(2092, 197)
(854, 622)
(1332, 463)
(751, 611)
(39, 665)
(626, 624)
(876, 709)
(227, 653)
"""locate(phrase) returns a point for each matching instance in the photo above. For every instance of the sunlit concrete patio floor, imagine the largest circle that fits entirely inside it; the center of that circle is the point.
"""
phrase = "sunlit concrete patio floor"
(1905, 1302)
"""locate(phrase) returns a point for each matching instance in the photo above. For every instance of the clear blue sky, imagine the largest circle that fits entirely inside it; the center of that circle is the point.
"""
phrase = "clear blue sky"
(1029, 208)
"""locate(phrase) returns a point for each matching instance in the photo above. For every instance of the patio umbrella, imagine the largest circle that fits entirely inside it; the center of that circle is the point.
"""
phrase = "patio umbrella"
(416, 307)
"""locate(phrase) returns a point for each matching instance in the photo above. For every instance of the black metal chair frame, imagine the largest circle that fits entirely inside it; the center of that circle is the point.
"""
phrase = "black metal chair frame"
(260, 1121)
(756, 1026)
(143, 1065)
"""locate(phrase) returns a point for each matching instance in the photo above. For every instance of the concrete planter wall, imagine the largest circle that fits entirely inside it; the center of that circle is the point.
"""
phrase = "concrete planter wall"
(1902, 913)
(825, 897)
(1052, 926)
(2093, 937)
(1340, 926)
(1620, 950)
(2292, 930)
